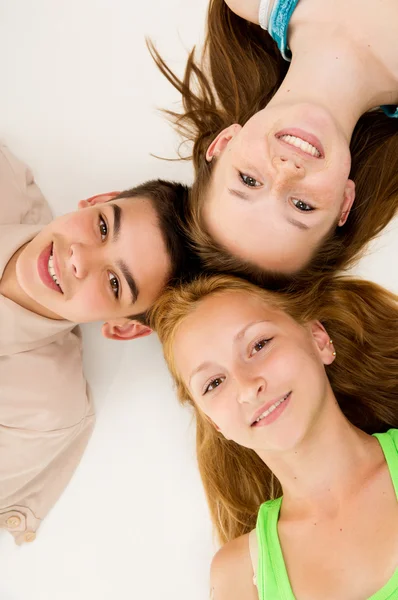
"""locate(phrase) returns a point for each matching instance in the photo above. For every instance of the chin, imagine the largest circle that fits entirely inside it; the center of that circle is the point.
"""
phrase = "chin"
(287, 441)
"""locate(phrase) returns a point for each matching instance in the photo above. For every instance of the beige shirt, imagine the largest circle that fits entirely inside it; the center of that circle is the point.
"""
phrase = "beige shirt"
(46, 413)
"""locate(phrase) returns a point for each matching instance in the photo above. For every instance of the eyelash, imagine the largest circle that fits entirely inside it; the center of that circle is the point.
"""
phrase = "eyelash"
(104, 235)
(221, 379)
(207, 390)
(309, 209)
(266, 342)
(243, 176)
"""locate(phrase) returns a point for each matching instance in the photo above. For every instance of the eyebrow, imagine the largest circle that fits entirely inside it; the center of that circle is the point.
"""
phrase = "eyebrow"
(117, 217)
(298, 224)
(131, 282)
(239, 194)
(242, 332)
(237, 337)
(201, 367)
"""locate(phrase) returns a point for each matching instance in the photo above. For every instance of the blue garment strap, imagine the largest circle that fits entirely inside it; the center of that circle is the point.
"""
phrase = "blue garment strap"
(277, 26)
(279, 22)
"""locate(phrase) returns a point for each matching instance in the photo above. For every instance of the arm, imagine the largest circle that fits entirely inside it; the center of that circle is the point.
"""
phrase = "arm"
(247, 9)
(231, 575)
(46, 419)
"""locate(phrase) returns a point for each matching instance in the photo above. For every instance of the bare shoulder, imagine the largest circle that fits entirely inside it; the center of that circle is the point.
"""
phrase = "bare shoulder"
(231, 572)
(247, 9)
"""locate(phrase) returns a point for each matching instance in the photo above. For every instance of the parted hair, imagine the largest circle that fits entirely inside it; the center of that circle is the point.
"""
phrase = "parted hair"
(235, 76)
(361, 318)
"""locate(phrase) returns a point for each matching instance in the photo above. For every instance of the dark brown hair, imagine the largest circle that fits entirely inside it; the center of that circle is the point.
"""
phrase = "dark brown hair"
(361, 318)
(169, 200)
(238, 73)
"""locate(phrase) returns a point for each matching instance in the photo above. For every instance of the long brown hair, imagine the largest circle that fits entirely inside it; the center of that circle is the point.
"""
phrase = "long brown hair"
(360, 317)
(238, 73)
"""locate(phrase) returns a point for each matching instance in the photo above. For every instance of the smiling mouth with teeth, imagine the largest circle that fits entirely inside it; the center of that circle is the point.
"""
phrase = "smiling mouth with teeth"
(51, 270)
(297, 142)
(271, 409)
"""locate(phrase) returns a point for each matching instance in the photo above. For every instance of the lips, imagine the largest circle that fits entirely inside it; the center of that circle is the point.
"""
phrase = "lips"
(266, 412)
(42, 269)
(292, 137)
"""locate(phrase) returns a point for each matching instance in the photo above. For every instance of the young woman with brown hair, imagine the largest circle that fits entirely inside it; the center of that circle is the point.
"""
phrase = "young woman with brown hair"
(294, 175)
(287, 390)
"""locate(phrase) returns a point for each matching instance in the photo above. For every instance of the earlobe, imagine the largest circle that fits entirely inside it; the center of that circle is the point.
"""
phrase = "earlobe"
(221, 141)
(349, 197)
(125, 330)
(98, 199)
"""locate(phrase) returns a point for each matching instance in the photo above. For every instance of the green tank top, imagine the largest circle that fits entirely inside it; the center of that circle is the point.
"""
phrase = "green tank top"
(272, 578)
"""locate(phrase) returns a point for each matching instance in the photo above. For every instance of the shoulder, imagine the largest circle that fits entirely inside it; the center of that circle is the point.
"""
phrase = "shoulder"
(44, 389)
(231, 572)
(391, 434)
(247, 9)
(21, 200)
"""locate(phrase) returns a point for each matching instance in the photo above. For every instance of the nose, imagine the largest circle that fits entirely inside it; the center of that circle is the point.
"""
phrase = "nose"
(289, 166)
(79, 259)
(250, 388)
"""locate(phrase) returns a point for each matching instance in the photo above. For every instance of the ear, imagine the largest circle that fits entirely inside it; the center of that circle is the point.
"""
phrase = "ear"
(222, 141)
(349, 197)
(124, 329)
(98, 199)
(323, 342)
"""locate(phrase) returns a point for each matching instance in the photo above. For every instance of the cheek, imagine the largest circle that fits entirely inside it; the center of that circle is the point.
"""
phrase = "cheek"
(76, 226)
(227, 415)
(293, 365)
(220, 410)
(91, 297)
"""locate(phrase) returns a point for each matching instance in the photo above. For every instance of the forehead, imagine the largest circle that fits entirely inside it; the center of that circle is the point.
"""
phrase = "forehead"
(209, 331)
(140, 245)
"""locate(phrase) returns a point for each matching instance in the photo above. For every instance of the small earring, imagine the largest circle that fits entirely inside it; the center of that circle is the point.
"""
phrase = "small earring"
(330, 341)
(334, 353)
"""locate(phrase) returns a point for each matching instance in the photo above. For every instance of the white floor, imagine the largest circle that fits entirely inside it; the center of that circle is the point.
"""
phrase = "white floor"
(77, 101)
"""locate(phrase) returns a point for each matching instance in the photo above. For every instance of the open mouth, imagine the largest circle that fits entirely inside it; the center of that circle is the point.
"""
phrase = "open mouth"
(47, 270)
(302, 141)
(266, 413)
(51, 269)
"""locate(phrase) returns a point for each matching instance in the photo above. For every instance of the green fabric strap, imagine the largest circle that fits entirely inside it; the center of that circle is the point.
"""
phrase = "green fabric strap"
(272, 578)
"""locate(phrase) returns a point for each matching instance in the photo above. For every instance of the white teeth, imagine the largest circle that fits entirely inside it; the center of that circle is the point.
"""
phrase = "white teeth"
(271, 409)
(299, 143)
(51, 269)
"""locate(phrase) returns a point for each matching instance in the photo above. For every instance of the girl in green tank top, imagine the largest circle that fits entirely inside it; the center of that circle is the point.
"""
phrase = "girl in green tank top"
(287, 391)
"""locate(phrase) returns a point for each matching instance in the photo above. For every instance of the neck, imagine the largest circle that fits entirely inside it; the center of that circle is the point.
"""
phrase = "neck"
(10, 288)
(337, 74)
(328, 465)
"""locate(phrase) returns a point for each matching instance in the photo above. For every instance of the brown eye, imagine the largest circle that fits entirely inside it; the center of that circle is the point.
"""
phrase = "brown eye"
(249, 181)
(114, 284)
(258, 346)
(303, 206)
(103, 228)
(214, 384)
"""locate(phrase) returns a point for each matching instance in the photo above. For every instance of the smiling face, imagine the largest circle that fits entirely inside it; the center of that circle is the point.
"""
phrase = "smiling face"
(105, 261)
(256, 373)
(279, 186)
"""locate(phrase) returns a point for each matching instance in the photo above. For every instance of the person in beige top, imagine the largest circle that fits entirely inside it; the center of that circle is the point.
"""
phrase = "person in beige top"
(107, 261)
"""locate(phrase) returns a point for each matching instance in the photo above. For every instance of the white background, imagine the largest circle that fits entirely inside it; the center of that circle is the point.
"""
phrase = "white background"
(78, 93)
